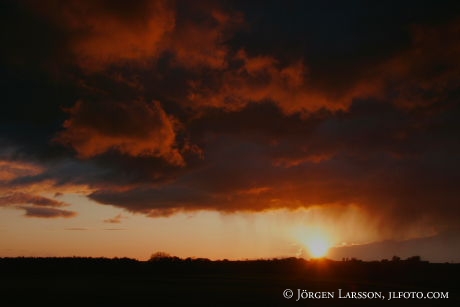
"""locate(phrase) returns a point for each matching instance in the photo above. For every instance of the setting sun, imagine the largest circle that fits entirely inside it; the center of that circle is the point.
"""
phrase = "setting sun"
(317, 246)
(315, 240)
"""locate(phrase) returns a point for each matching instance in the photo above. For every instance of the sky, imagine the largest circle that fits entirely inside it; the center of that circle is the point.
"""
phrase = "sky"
(230, 129)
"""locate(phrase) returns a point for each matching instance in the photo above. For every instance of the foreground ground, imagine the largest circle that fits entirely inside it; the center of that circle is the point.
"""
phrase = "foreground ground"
(200, 282)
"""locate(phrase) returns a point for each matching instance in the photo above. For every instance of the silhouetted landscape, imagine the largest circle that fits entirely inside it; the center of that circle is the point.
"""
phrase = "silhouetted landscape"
(171, 281)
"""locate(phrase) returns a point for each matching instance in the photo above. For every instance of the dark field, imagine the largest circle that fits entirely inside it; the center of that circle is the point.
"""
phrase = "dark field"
(200, 282)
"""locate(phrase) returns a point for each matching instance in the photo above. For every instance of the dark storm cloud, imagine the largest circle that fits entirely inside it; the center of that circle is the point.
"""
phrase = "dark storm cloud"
(151, 200)
(374, 155)
(162, 106)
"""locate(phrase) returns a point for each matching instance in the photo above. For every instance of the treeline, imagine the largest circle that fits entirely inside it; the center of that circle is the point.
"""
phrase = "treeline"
(412, 268)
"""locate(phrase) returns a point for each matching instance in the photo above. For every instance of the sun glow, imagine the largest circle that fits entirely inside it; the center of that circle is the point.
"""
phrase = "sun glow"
(316, 241)
(317, 246)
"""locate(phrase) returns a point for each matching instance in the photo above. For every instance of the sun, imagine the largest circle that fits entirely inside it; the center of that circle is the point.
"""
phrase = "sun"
(316, 241)
(317, 246)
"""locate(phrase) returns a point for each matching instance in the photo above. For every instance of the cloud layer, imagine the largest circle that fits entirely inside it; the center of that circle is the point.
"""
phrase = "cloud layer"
(159, 107)
(26, 196)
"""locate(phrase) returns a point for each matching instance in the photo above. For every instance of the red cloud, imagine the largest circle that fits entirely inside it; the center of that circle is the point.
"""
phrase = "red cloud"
(202, 43)
(264, 78)
(420, 75)
(103, 33)
(134, 128)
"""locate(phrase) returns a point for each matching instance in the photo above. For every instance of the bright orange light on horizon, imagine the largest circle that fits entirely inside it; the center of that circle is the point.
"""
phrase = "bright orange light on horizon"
(317, 241)
(317, 246)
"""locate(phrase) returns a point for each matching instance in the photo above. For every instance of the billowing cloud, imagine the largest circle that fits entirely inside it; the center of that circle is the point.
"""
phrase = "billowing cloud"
(134, 128)
(423, 73)
(263, 78)
(201, 42)
(374, 156)
(102, 33)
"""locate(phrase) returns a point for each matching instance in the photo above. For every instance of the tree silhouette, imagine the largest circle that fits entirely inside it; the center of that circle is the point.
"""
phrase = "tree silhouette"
(159, 256)
(414, 259)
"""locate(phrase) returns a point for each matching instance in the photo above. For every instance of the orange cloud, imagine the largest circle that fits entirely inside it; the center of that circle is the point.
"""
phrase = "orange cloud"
(420, 75)
(264, 78)
(20, 177)
(100, 34)
(32, 187)
(135, 128)
(320, 164)
(104, 33)
(18, 198)
(10, 170)
(203, 43)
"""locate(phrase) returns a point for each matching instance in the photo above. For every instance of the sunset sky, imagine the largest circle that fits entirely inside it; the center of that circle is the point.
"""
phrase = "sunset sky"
(230, 129)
